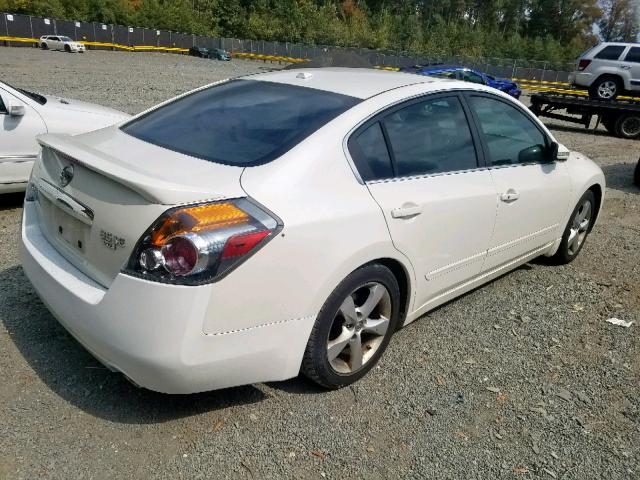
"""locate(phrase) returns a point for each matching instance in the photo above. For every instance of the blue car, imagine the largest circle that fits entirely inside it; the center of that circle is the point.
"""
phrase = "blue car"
(468, 75)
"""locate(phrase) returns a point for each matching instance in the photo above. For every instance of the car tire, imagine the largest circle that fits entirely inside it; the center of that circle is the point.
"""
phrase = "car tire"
(350, 333)
(607, 87)
(44, 46)
(67, 48)
(628, 126)
(636, 174)
(576, 232)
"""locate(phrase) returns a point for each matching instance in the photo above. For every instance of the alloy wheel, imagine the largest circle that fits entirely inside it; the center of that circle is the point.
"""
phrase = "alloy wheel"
(359, 328)
(607, 89)
(579, 228)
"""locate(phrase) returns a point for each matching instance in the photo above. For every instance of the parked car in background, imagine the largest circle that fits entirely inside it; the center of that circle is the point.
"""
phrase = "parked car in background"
(467, 75)
(60, 42)
(214, 53)
(27, 114)
(293, 221)
(608, 70)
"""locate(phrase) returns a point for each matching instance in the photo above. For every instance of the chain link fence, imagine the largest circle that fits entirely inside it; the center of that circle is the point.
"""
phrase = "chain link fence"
(24, 30)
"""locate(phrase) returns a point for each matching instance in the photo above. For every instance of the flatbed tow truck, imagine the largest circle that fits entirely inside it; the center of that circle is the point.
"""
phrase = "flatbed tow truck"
(619, 117)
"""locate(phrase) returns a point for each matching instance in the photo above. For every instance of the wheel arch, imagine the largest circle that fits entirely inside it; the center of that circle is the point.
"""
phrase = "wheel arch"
(614, 75)
(404, 282)
(597, 190)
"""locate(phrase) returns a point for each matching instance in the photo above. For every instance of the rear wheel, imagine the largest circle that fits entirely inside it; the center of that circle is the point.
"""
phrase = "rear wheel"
(606, 87)
(577, 229)
(353, 327)
(628, 126)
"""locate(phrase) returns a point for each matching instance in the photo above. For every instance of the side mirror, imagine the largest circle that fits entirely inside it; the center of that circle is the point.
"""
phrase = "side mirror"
(532, 154)
(559, 153)
(16, 110)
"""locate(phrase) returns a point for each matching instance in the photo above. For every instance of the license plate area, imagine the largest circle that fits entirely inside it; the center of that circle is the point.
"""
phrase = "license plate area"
(64, 228)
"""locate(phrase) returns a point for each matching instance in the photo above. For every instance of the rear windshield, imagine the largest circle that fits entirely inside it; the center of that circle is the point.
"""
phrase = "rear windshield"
(241, 122)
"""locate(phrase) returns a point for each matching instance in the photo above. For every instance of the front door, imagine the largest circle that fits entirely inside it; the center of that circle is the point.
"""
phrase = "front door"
(632, 62)
(18, 133)
(424, 173)
(533, 192)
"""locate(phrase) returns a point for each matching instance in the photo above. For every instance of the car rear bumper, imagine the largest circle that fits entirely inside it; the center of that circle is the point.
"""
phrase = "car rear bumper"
(581, 79)
(153, 332)
(14, 174)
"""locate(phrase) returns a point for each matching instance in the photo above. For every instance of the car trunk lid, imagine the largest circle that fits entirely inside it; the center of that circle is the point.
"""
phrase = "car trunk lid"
(99, 192)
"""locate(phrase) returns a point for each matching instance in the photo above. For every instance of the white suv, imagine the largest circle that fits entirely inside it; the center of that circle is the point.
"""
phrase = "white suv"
(60, 42)
(608, 70)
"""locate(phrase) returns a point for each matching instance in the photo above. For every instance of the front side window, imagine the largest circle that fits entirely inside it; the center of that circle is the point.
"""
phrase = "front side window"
(241, 122)
(65, 39)
(611, 52)
(633, 55)
(431, 136)
(510, 136)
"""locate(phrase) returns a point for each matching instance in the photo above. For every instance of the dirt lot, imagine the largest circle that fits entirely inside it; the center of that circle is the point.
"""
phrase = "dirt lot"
(522, 378)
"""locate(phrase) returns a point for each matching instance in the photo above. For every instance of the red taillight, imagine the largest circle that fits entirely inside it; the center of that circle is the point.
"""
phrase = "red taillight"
(180, 256)
(242, 244)
(583, 64)
(192, 245)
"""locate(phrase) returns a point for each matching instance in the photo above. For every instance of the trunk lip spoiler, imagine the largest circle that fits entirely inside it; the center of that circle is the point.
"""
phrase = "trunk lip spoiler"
(153, 189)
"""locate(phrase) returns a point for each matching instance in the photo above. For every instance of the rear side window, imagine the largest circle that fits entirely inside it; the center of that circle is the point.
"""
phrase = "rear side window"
(633, 55)
(510, 136)
(241, 122)
(611, 52)
(370, 154)
(432, 136)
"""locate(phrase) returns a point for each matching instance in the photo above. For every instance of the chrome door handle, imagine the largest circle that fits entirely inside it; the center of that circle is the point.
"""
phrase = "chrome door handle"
(407, 210)
(509, 196)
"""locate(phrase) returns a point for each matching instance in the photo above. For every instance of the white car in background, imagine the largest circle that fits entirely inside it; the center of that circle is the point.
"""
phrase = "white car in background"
(25, 115)
(292, 221)
(609, 70)
(60, 42)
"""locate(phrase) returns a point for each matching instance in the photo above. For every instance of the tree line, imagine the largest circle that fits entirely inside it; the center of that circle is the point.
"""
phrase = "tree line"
(548, 30)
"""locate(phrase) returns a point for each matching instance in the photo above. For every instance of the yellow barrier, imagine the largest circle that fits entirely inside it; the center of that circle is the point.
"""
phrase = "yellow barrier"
(18, 39)
(103, 44)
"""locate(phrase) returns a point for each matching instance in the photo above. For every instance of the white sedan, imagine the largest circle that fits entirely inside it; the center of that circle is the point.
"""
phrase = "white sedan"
(292, 221)
(27, 114)
(60, 42)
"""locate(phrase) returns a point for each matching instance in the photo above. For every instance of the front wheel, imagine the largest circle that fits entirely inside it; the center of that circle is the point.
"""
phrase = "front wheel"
(636, 174)
(44, 46)
(67, 48)
(577, 230)
(353, 327)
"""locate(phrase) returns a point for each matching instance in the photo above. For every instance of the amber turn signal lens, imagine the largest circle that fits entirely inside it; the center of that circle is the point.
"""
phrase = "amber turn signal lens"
(195, 219)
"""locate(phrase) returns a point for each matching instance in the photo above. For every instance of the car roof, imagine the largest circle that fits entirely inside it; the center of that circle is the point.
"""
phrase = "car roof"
(356, 82)
(618, 44)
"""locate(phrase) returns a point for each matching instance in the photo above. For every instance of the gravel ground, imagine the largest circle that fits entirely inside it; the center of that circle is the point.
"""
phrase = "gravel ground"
(522, 378)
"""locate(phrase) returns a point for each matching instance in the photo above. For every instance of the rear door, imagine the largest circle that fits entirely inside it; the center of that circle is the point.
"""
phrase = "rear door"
(423, 165)
(632, 61)
(533, 193)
